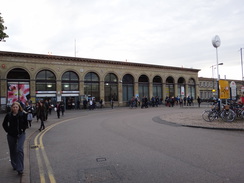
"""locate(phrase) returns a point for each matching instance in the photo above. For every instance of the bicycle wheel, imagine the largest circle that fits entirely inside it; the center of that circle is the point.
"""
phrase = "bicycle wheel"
(205, 115)
(242, 114)
(228, 115)
(213, 115)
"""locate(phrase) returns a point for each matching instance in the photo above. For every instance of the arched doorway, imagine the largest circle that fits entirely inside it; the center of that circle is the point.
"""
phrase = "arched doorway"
(128, 87)
(170, 87)
(157, 86)
(181, 87)
(111, 87)
(70, 90)
(46, 86)
(143, 86)
(192, 88)
(92, 86)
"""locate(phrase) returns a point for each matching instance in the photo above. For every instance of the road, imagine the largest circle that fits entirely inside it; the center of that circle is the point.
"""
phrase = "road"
(130, 145)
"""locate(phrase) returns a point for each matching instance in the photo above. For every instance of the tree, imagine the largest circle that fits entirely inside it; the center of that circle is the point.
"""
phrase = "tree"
(3, 35)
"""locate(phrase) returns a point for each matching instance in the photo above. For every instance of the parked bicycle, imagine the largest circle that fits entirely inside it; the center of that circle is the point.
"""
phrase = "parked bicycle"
(225, 113)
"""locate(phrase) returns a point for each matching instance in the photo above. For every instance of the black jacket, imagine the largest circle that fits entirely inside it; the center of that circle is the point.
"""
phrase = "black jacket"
(15, 125)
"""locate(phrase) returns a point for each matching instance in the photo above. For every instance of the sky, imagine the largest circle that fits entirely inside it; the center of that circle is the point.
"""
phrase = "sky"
(162, 32)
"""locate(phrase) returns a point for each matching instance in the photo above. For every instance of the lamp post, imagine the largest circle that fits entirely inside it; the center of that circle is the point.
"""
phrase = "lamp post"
(213, 73)
(241, 66)
(216, 43)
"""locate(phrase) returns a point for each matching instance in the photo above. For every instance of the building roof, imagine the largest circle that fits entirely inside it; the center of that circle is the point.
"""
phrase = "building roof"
(77, 59)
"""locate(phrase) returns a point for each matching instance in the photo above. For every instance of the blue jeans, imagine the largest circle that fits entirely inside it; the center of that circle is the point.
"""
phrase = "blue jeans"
(16, 148)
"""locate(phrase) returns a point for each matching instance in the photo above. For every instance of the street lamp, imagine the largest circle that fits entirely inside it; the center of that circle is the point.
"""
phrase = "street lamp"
(213, 73)
(212, 66)
(241, 65)
(216, 43)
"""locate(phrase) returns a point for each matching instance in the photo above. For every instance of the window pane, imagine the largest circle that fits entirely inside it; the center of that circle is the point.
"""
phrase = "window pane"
(130, 91)
(50, 87)
(91, 76)
(87, 89)
(18, 74)
(108, 93)
(114, 92)
(40, 87)
(50, 75)
(157, 79)
(73, 76)
(41, 75)
(74, 87)
(65, 76)
(94, 77)
(113, 78)
(125, 94)
(128, 79)
(143, 78)
(65, 86)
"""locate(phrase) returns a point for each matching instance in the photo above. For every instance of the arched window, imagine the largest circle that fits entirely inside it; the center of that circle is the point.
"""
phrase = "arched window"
(111, 87)
(128, 87)
(18, 74)
(143, 86)
(170, 87)
(70, 81)
(157, 86)
(91, 85)
(181, 87)
(192, 88)
(45, 81)
(18, 81)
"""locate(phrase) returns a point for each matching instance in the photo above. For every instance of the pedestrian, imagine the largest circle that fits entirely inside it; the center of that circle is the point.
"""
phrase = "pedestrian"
(62, 107)
(50, 107)
(35, 111)
(78, 104)
(181, 102)
(42, 115)
(58, 108)
(93, 103)
(29, 109)
(101, 103)
(90, 104)
(85, 104)
(46, 105)
(199, 101)
(184, 100)
(15, 124)
(112, 103)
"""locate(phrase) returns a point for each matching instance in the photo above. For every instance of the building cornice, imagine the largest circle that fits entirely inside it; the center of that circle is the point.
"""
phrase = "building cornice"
(89, 60)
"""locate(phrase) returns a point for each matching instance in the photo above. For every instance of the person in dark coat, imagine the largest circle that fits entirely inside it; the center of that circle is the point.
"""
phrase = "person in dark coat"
(41, 112)
(15, 124)
(29, 109)
(199, 101)
(58, 109)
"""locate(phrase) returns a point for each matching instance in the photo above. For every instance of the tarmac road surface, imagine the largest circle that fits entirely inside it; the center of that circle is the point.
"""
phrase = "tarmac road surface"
(135, 145)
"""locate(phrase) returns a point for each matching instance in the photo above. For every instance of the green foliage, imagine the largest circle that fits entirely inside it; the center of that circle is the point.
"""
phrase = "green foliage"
(3, 35)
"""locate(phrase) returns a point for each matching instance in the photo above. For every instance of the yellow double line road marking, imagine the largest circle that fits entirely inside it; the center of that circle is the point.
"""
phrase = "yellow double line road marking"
(38, 142)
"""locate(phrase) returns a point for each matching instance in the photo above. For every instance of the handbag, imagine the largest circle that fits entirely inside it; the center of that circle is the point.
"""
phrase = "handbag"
(29, 117)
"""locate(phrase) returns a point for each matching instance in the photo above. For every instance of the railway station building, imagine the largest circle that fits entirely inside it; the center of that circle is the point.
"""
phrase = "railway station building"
(26, 76)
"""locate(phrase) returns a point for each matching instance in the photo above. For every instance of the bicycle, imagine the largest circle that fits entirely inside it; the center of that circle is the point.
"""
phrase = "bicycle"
(211, 115)
(226, 114)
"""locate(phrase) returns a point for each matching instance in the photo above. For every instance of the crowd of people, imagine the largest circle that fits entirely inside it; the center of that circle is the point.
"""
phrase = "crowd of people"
(169, 101)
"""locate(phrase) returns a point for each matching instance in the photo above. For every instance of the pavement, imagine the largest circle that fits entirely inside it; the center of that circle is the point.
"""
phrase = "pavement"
(188, 116)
